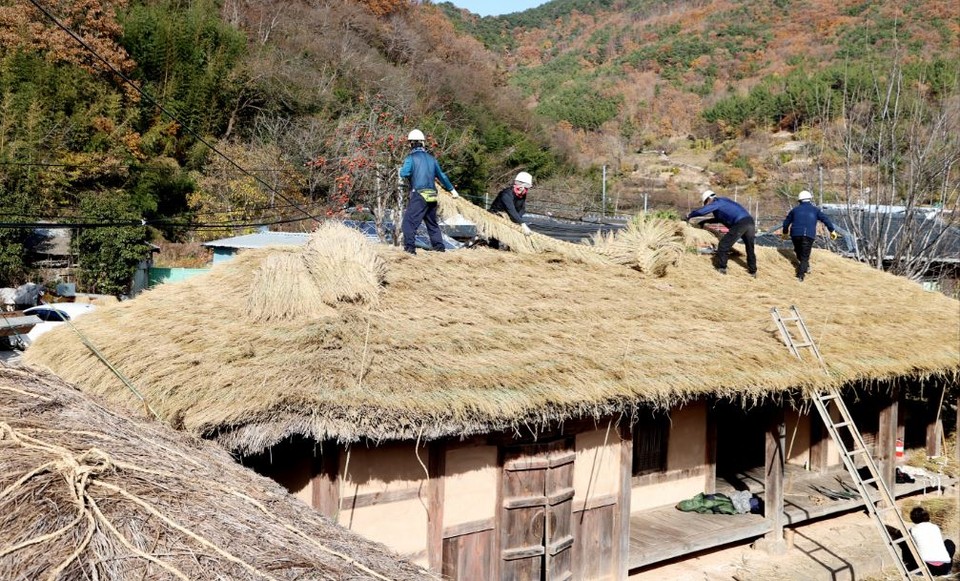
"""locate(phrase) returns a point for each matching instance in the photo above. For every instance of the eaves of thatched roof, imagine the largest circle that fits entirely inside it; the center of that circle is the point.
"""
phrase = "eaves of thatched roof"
(88, 494)
(471, 341)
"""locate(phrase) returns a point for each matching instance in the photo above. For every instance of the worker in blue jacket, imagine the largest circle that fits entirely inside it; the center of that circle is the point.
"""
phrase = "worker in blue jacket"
(800, 226)
(740, 226)
(422, 171)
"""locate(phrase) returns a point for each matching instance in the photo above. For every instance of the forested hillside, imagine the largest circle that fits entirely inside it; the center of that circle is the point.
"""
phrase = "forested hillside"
(760, 96)
(175, 120)
(649, 70)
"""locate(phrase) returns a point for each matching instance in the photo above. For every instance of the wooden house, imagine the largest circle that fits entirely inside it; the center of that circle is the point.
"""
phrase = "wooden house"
(503, 416)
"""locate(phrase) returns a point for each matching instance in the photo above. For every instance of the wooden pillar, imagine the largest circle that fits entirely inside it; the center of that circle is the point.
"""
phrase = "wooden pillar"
(934, 429)
(622, 552)
(710, 461)
(935, 424)
(325, 482)
(773, 468)
(819, 443)
(436, 468)
(887, 438)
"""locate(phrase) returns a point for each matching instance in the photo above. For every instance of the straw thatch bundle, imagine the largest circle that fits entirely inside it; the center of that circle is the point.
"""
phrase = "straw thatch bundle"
(495, 226)
(647, 245)
(477, 340)
(87, 494)
(338, 265)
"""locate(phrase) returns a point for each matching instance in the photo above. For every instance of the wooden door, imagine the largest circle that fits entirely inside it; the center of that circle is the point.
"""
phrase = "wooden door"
(537, 512)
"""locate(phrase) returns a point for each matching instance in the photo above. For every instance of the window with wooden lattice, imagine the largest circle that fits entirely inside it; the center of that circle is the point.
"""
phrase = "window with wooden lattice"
(650, 437)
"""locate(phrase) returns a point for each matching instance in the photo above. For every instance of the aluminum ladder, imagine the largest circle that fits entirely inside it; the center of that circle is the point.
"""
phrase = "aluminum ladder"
(884, 504)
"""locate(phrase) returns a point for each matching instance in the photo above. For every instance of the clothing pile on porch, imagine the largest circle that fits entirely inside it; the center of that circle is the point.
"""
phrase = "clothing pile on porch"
(739, 502)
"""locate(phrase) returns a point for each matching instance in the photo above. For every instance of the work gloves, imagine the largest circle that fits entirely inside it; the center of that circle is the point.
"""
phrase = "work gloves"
(834, 235)
(526, 230)
(784, 235)
(454, 193)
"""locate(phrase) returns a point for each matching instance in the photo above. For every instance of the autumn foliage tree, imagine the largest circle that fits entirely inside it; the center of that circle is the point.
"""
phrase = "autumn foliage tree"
(26, 28)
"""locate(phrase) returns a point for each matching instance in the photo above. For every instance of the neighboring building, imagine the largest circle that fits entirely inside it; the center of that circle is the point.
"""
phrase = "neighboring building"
(49, 251)
(227, 248)
(88, 494)
(927, 237)
(502, 416)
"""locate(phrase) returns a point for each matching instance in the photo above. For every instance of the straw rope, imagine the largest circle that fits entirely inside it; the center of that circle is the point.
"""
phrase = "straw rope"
(80, 472)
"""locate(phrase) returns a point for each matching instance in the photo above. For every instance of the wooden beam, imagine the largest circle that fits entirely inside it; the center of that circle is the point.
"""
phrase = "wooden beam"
(621, 552)
(773, 469)
(710, 457)
(325, 482)
(436, 468)
(887, 437)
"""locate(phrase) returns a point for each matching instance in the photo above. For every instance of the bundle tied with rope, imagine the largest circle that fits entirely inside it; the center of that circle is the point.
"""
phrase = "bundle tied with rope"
(87, 494)
(490, 225)
(649, 246)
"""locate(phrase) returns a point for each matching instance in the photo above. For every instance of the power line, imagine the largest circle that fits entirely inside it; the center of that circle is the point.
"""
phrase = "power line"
(191, 214)
(140, 223)
(163, 109)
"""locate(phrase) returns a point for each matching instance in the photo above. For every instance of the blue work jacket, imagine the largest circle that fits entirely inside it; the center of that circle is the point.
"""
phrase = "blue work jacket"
(725, 210)
(802, 220)
(422, 170)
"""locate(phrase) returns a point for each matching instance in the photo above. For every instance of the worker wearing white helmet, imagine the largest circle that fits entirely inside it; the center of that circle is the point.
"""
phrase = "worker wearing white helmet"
(512, 201)
(740, 226)
(800, 226)
(422, 171)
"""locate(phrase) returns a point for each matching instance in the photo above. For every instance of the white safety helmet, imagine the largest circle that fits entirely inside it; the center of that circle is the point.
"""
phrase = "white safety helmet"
(524, 179)
(416, 135)
(707, 194)
(805, 196)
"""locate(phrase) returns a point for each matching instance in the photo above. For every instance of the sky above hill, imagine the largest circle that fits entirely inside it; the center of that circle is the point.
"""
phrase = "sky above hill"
(495, 7)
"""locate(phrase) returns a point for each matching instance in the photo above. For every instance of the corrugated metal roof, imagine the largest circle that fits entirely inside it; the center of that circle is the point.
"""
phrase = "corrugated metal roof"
(261, 240)
(369, 229)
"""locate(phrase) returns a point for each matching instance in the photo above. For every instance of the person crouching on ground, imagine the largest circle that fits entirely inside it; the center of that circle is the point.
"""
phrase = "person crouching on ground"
(512, 200)
(936, 552)
(800, 226)
(740, 225)
(422, 171)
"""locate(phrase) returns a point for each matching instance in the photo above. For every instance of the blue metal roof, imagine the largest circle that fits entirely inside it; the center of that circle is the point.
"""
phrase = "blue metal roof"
(261, 240)
(369, 229)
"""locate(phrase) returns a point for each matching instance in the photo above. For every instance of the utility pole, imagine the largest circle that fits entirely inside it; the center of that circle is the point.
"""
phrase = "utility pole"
(820, 172)
(603, 194)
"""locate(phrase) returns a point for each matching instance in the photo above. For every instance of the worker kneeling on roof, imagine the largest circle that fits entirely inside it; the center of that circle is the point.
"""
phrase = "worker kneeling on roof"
(800, 226)
(739, 223)
(512, 201)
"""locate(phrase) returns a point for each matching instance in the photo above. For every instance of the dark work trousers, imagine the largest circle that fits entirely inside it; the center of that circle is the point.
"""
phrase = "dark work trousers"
(945, 568)
(418, 210)
(745, 229)
(802, 246)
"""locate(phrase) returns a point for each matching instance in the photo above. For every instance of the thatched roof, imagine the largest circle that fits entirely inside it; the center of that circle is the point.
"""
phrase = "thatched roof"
(87, 494)
(476, 340)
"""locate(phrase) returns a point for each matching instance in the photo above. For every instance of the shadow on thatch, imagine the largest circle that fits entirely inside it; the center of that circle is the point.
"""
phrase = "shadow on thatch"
(87, 494)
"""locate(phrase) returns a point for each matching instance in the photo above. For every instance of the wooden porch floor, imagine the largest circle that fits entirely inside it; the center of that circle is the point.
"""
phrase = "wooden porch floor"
(664, 533)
